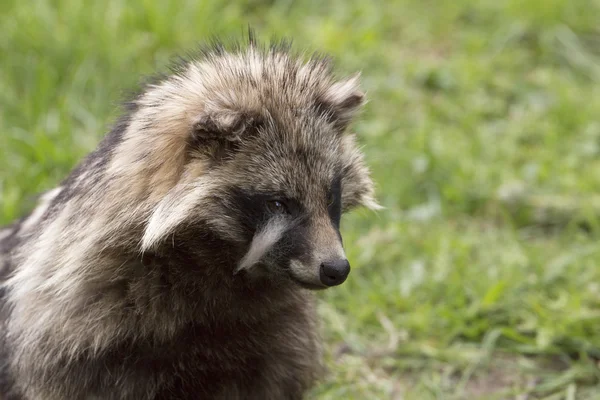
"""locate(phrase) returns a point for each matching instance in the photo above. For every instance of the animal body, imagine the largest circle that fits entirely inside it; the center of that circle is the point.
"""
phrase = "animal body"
(179, 259)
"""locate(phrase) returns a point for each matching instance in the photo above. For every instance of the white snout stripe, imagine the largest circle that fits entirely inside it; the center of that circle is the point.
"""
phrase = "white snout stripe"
(262, 242)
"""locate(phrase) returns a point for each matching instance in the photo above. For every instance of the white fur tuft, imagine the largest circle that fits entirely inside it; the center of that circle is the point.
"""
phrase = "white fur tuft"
(172, 211)
(262, 242)
(371, 203)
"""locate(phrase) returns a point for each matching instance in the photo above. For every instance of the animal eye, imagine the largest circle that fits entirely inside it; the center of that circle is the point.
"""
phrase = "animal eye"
(277, 207)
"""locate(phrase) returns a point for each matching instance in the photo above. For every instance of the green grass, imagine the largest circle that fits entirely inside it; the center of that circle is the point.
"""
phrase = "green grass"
(481, 278)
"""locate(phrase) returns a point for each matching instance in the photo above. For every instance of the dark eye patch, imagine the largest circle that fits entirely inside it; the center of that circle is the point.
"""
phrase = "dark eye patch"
(334, 202)
(254, 209)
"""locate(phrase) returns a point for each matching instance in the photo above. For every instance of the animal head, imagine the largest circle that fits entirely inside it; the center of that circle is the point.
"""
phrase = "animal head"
(259, 144)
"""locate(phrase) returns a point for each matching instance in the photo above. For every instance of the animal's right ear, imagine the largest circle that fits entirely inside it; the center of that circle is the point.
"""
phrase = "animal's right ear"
(341, 101)
(227, 125)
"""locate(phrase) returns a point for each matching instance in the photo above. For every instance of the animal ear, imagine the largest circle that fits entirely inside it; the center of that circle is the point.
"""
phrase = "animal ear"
(341, 101)
(229, 125)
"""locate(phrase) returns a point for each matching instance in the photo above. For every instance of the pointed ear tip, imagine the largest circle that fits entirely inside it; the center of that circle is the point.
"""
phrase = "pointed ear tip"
(356, 80)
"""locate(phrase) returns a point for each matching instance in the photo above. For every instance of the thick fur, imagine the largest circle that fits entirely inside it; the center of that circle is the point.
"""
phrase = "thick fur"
(163, 267)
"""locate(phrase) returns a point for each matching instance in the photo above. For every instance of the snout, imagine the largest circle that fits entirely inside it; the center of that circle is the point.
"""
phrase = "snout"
(334, 272)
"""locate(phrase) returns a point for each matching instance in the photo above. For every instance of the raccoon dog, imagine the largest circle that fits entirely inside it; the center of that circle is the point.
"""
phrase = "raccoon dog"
(177, 261)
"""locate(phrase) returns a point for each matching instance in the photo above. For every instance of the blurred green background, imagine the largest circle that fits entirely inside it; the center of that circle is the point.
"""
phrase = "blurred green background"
(480, 279)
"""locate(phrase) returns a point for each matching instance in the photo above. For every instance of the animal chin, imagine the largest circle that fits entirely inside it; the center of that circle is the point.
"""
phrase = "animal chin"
(306, 285)
(310, 286)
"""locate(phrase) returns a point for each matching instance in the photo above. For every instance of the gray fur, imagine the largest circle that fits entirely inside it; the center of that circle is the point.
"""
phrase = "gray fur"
(125, 282)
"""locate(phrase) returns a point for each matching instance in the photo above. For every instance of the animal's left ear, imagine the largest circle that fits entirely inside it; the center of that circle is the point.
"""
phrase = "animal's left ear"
(341, 101)
(228, 125)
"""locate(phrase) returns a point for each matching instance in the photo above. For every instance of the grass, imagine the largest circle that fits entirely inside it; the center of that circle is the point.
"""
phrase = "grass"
(480, 279)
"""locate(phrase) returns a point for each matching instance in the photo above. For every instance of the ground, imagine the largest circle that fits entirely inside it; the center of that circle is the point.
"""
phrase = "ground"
(480, 279)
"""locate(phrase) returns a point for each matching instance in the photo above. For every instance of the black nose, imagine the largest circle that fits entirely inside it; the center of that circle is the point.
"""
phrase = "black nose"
(335, 272)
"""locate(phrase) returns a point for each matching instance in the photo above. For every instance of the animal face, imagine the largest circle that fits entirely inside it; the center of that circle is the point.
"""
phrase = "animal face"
(288, 202)
(286, 188)
(270, 166)
(287, 238)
